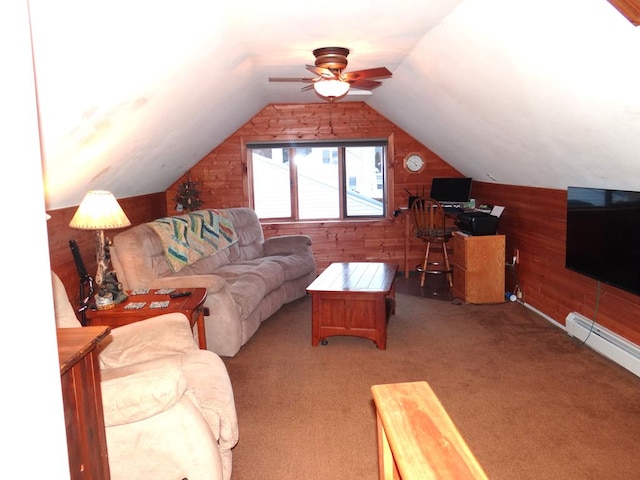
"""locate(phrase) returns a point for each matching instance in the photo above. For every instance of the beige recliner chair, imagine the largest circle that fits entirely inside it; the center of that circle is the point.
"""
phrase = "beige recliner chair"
(168, 406)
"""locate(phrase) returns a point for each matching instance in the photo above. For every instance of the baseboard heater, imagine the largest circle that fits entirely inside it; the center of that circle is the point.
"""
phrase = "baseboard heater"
(605, 342)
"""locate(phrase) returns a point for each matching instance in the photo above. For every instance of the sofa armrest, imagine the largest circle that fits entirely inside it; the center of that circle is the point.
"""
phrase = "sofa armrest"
(286, 244)
(167, 334)
(134, 397)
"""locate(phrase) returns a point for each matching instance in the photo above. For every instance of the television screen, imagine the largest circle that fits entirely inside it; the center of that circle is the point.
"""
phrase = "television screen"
(603, 236)
(451, 190)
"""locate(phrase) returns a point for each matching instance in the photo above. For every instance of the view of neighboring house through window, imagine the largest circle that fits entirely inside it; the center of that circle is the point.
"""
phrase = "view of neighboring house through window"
(318, 181)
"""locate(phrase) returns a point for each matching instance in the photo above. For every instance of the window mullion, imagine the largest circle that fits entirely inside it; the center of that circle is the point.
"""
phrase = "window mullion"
(342, 182)
(293, 172)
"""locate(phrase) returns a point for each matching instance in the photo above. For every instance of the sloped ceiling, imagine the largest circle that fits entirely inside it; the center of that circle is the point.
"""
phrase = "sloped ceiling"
(540, 93)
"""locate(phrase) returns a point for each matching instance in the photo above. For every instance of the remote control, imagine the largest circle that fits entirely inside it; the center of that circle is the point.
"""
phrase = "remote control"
(178, 295)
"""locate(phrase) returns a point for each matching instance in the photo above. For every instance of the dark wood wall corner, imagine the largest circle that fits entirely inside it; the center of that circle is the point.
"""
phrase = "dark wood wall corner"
(139, 209)
(534, 221)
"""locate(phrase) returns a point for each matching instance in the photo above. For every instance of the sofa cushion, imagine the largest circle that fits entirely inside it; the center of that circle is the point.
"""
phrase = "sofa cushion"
(250, 235)
(250, 281)
(293, 266)
(207, 265)
(270, 273)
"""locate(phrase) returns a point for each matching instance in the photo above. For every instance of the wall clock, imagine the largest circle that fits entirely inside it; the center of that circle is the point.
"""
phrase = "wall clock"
(414, 162)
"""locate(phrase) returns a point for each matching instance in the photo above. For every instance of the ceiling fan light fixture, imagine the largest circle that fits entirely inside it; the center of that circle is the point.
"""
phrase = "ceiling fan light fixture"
(331, 88)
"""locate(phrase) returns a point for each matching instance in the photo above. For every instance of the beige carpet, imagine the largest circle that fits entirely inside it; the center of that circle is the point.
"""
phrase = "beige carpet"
(530, 402)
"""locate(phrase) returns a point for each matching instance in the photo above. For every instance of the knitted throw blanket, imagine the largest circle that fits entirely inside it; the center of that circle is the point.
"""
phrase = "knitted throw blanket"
(187, 238)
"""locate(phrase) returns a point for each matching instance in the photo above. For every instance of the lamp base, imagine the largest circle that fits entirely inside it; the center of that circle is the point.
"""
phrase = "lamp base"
(104, 302)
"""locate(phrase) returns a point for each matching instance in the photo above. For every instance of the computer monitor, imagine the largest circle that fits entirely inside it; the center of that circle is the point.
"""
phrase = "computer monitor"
(451, 190)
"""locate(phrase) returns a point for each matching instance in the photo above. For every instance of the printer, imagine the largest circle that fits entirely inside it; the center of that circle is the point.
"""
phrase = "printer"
(477, 223)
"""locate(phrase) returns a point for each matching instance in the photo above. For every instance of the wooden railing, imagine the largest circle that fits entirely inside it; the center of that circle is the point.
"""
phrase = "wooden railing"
(416, 437)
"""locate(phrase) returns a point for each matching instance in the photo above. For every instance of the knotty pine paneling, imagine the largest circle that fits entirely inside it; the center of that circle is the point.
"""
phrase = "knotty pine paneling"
(138, 209)
(534, 221)
(223, 177)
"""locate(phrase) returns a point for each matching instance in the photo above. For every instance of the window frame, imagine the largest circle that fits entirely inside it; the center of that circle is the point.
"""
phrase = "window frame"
(341, 145)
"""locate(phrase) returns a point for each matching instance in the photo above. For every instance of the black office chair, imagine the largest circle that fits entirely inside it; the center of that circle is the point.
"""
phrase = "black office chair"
(430, 227)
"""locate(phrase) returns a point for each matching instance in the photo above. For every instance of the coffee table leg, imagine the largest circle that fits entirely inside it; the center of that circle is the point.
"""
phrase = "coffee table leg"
(315, 319)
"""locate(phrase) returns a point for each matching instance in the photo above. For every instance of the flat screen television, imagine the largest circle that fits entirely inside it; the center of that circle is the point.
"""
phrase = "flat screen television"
(603, 236)
(451, 190)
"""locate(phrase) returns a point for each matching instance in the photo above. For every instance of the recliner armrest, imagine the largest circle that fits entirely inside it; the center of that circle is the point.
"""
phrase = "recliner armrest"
(134, 397)
(168, 334)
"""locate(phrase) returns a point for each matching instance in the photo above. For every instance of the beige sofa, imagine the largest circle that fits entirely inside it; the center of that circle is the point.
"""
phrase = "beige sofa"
(247, 277)
(169, 409)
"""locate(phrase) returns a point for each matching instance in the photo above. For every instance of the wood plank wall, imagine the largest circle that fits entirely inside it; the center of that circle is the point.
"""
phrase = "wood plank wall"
(223, 175)
(139, 209)
(534, 221)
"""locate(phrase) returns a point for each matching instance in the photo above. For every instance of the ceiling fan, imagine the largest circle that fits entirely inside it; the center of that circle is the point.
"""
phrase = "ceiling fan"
(331, 81)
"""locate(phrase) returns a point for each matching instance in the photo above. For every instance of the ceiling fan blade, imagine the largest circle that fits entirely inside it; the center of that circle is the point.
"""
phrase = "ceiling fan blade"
(297, 80)
(322, 72)
(364, 84)
(380, 72)
(306, 88)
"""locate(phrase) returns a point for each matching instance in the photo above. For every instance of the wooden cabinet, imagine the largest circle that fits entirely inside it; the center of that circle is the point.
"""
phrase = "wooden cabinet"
(82, 399)
(478, 268)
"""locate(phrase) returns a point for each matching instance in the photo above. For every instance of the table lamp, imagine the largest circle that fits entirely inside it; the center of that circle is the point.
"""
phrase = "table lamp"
(100, 211)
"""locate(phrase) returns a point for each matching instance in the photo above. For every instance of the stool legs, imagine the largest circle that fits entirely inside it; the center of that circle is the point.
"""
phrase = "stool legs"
(425, 264)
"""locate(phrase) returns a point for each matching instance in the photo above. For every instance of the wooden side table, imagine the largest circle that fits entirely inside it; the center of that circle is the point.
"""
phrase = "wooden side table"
(82, 399)
(192, 306)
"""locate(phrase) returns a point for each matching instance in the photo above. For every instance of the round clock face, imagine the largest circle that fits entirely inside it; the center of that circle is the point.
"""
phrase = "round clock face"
(414, 162)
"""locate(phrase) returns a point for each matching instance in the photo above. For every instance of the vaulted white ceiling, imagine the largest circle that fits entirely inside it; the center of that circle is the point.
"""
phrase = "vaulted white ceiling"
(541, 93)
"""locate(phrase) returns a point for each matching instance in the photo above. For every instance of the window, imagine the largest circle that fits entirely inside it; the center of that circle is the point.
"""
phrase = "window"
(318, 181)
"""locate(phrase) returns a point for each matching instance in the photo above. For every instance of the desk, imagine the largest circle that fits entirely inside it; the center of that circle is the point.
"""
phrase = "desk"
(192, 306)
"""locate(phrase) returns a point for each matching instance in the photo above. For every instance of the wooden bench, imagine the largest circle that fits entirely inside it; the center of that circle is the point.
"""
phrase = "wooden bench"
(416, 437)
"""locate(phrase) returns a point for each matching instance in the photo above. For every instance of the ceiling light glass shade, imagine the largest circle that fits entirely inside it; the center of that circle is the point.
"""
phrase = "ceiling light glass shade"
(99, 210)
(331, 88)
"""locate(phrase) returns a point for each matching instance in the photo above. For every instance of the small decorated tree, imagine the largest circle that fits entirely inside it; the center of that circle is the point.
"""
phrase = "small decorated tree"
(188, 196)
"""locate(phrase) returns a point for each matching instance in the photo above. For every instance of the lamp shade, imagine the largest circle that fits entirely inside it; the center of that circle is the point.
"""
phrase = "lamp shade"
(331, 88)
(99, 210)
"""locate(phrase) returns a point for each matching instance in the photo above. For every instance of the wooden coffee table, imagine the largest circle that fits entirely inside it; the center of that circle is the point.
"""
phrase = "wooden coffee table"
(192, 306)
(353, 298)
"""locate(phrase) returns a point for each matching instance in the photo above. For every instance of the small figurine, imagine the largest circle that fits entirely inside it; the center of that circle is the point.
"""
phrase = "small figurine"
(111, 285)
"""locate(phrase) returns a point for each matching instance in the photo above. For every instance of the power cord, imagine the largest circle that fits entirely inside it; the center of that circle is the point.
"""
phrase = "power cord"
(516, 287)
(595, 314)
